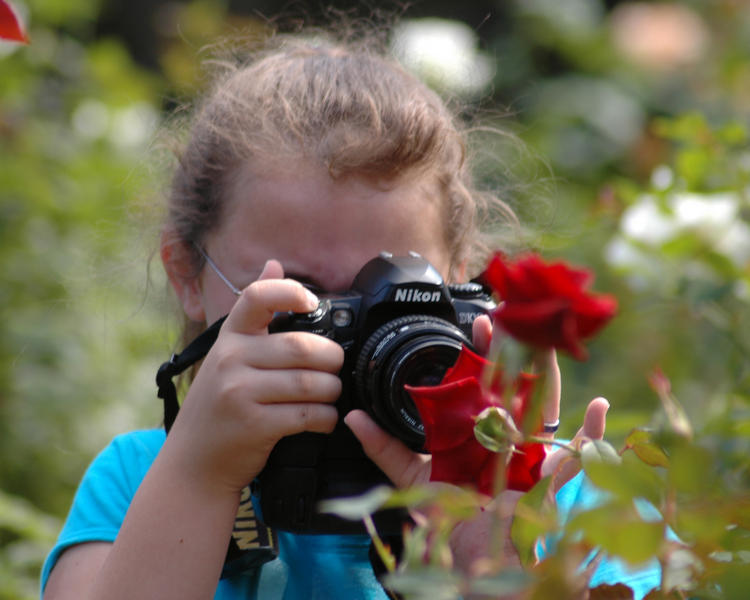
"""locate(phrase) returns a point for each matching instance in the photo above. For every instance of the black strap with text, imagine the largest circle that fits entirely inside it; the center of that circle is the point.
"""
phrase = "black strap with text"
(252, 543)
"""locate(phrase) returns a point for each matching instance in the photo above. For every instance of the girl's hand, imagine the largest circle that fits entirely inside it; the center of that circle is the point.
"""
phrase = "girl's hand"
(557, 463)
(470, 540)
(254, 388)
(406, 468)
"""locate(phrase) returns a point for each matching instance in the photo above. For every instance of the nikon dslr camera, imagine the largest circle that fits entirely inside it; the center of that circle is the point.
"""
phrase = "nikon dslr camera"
(399, 324)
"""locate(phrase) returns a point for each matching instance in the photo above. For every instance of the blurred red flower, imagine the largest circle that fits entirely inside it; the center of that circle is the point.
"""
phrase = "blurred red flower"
(10, 28)
(448, 412)
(547, 305)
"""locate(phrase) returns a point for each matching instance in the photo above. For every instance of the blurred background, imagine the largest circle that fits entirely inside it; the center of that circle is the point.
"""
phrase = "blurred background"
(627, 153)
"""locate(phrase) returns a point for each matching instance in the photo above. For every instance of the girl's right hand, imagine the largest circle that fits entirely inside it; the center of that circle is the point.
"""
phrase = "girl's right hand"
(254, 388)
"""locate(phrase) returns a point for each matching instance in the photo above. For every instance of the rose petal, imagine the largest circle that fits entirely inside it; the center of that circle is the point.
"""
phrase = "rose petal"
(594, 313)
(547, 305)
(448, 411)
(10, 28)
(468, 364)
(459, 465)
(525, 467)
(487, 474)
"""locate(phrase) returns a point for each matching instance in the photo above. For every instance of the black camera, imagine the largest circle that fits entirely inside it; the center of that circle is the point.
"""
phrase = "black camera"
(399, 324)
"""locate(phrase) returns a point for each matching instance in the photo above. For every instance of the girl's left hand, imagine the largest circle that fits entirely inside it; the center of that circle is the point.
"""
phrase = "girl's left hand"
(405, 467)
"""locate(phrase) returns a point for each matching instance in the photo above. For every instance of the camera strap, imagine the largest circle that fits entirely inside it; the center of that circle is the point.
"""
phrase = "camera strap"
(179, 363)
(252, 543)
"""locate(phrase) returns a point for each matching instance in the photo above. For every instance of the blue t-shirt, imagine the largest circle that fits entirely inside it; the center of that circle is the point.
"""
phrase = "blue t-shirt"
(308, 566)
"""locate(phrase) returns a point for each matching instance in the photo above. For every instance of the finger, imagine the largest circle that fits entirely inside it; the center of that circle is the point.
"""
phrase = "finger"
(400, 464)
(561, 463)
(477, 543)
(563, 466)
(292, 350)
(546, 362)
(261, 299)
(296, 417)
(272, 270)
(481, 333)
(274, 386)
(595, 419)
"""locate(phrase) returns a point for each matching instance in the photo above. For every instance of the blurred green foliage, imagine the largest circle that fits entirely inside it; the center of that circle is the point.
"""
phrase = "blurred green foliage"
(634, 120)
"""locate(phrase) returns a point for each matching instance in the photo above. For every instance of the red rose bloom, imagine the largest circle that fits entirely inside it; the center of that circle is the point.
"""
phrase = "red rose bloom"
(547, 305)
(10, 28)
(448, 412)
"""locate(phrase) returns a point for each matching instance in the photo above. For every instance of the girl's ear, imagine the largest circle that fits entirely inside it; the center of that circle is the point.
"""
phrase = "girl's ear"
(177, 260)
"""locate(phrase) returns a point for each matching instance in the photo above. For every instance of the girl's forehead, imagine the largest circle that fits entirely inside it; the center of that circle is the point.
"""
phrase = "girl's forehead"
(303, 191)
(326, 228)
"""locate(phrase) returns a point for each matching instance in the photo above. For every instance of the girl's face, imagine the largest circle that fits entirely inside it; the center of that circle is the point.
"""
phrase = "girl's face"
(321, 230)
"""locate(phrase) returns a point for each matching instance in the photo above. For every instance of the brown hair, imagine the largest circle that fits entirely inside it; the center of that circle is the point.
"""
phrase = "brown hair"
(346, 106)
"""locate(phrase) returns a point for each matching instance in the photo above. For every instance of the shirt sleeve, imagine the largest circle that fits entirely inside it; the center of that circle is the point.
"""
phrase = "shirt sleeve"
(105, 493)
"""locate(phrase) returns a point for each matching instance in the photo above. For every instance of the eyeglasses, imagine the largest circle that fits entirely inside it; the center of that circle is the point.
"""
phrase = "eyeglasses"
(212, 264)
(235, 290)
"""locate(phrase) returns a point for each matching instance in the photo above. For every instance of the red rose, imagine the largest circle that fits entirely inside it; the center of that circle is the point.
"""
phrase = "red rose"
(10, 29)
(448, 412)
(547, 305)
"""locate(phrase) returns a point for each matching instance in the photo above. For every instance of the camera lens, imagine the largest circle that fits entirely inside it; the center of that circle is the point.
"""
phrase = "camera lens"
(412, 350)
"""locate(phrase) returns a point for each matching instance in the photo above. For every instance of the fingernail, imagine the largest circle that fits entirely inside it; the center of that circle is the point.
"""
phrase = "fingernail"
(264, 269)
(312, 300)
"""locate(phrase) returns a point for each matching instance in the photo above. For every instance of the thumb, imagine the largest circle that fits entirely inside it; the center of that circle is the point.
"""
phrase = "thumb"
(402, 466)
(272, 270)
(561, 463)
(595, 419)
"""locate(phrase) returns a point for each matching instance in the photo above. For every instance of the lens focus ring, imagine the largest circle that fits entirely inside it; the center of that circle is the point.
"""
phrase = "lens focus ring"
(414, 350)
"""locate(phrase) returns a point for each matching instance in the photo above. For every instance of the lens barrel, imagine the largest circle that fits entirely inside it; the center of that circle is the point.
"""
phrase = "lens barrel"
(411, 350)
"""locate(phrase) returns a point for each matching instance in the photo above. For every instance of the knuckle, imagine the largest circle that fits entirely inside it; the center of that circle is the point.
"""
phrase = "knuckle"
(257, 295)
(300, 293)
(224, 356)
(314, 417)
(251, 293)
(305, 383)
(298, 345)
(231, 392)
(336, 388)
(339, 355)
(303, 415)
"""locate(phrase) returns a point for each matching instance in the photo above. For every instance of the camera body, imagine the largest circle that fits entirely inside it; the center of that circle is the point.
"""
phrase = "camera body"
(399, 324)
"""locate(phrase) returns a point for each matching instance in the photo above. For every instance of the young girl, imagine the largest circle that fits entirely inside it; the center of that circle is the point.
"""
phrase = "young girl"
(301, 166)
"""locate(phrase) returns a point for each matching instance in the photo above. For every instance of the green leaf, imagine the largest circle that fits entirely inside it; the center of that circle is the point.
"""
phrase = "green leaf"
(452, 499)
(620, 531)
(503, 584)
(691, 469)
(688, 127)
(733, 133)
(355, 508)
(534, 516)
(641, 441)
(628, 479)
(599, 451)
(18, 517)
(697, 525)
(426, 584)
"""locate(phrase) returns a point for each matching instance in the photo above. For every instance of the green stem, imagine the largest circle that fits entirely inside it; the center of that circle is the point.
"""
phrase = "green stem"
(541, 440)
(385, 554)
